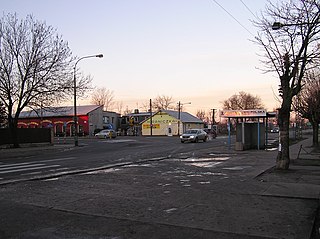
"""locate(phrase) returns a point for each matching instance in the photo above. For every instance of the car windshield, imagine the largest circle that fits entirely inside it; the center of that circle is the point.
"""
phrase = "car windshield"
(191, 131)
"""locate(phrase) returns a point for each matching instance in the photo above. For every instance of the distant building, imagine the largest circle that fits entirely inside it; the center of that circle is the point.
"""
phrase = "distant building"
(90, 118)
(167, 122)
(130, 123)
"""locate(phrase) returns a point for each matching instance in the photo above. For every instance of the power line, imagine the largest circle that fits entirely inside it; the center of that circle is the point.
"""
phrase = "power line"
(248, 9)
(233, 17)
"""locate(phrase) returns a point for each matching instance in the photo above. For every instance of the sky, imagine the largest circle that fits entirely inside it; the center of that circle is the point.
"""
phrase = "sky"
(190, 50)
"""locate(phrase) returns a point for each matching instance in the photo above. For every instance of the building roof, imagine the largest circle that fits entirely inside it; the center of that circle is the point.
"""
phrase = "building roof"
(185, 117)
(138, 114)
(58, 111)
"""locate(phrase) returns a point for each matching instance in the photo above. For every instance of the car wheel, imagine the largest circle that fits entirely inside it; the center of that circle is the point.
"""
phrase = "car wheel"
(196, 140)
(182, 141)
(205, 139)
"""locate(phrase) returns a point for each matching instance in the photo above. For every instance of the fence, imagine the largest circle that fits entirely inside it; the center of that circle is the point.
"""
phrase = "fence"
(27, 135)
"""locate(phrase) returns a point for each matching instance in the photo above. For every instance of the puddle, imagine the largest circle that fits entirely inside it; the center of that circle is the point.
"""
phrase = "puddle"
(184, 180)
(109, 170)
(214, 174)
(272, 149)
(205, 164)
(137, 165)
(217, 155)
(191, 160)
(207, 182)
(50, 179)
(170, 210)
(238, 168)
(164, 185)
(194, 175)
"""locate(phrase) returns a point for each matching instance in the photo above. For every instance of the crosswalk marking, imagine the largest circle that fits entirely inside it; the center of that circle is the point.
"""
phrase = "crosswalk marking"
(13, 164)
(26, 169)
(10, 166)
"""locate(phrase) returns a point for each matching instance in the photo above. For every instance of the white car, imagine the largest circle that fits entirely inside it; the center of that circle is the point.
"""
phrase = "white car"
(194, 135)
(106, 133)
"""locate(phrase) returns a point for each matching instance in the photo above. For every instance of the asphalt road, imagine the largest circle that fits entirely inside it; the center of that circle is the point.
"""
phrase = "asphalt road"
(92, 154)
(137, 187)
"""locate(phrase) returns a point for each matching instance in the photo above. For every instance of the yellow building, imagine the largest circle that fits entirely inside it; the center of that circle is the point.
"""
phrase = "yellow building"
(168, 122)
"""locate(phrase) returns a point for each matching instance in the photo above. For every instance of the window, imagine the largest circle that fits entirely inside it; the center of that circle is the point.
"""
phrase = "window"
(105, 119)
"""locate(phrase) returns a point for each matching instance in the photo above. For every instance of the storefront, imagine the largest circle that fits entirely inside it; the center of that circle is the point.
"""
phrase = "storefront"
(168, 123)
(61, 119)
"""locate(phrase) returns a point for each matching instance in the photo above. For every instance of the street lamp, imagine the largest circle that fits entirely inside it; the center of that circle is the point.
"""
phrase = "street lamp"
(179, 114)
(76, 143)
(278, 25)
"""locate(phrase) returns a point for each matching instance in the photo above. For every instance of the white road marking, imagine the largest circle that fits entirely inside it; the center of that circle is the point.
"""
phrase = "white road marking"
(33, 173)
(22, 166)
(14, 165)
(26, 169)
(34, 162)
(113, 141)
(53, 160)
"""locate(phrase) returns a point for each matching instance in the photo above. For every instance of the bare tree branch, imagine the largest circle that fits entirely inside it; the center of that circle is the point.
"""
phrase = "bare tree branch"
(35, 65)
(290, 51)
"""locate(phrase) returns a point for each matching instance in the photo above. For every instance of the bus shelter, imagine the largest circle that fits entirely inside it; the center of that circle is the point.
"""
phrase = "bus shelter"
(251, 127)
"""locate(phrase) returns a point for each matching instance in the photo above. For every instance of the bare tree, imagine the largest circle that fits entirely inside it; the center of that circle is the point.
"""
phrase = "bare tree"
(127, 111)
(242, 101)
(35, 66)
(162, 102)
(201, 114)
(119, 106)
(2, 115)
(289, 51)
(103, 96)
(307, 103)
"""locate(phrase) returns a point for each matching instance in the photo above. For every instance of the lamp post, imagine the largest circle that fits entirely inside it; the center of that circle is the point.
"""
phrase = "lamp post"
(75, 118)
(278, 25)
(179, 114)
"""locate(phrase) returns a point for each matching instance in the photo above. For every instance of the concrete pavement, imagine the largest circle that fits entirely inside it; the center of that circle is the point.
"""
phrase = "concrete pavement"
(205, 194)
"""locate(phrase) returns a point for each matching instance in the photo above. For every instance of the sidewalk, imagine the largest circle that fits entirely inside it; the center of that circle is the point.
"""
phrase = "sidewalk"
(301, 181)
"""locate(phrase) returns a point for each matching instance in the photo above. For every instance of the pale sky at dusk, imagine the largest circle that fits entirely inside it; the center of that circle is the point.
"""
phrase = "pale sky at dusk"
(191, 50)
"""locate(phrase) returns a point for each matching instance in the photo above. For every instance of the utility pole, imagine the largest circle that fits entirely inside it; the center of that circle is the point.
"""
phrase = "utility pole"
(213, 121)
(179, 109)
(179, 114)
(151, 117)
(213, 130)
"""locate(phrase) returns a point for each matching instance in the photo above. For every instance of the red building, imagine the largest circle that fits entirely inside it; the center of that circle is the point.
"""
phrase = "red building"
(90, 118)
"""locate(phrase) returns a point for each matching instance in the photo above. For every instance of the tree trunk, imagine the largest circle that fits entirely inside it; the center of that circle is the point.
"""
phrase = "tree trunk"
(13, 124)
(283, 158)
(315, 132)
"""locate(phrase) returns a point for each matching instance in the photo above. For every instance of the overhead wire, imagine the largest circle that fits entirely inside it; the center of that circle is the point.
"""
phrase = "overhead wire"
(233, 17)
(248, 8)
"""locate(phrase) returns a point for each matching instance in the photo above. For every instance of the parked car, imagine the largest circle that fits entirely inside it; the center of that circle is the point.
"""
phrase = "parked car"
(211, 133)
(106, 133)
(275, 130)
(194, 135)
